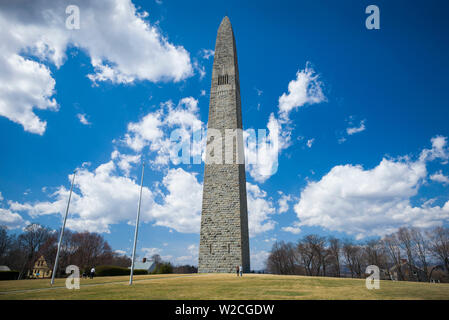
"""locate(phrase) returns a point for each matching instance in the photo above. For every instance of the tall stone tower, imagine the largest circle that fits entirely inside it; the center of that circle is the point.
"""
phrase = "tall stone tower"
(224, 242)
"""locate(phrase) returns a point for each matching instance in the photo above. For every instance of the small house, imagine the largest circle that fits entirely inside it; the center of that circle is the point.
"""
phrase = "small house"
(145, 264)
(40, 269)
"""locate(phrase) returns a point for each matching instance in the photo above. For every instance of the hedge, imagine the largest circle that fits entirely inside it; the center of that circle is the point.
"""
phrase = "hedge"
(9, 275)
(107, 271)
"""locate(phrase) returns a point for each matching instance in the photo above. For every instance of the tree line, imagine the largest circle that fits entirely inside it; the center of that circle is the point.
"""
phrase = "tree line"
(84, 249)
(408, 254)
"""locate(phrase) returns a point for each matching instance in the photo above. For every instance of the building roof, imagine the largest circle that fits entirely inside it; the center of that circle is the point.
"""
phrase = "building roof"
(148, 265)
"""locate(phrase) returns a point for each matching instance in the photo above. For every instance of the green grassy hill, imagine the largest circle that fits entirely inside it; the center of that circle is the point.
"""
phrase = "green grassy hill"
(221, 286)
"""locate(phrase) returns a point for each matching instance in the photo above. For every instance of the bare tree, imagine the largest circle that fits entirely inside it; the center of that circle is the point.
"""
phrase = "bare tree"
(375, 254)
(282, 258)
(439, 245)
(312, 253)
(305, 256)
(291, 258)
(334, 255)
(31, 240)
(405, 241)
(48, 250)
(5, 242)
(422, 250)
(354, 259)
(120, 260)
(89, 249)
(15, 257)
(392, 247)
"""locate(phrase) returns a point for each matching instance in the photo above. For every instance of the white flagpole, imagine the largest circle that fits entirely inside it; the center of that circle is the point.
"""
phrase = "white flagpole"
(62, 232)
(137, 228)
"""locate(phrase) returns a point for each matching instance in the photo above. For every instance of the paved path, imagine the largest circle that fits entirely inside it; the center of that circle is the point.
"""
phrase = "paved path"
(98, 284)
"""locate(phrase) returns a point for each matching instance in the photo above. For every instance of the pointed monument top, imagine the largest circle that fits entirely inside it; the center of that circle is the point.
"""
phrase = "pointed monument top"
(225, 37)
(225, 23)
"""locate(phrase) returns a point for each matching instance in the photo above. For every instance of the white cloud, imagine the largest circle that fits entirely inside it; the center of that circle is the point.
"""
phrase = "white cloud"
(265, 155)
(310, 142)
(440, 177)
(149, 252)
(203, 93)
(294, 230)
(438, 150)
(368, 202)
(145, 132)
(120, 252)
(101, 198)
(104, 197)
(125, 161)
(193, 249)
(283, 202)
(341, 140)
(353, 130)
(181, 205)
(207, 53)
(191, 258)
(26, 85)
(259, 210)
(155, 128)
(167, 257)
(184, 260)
(259, 259)
(200, 68)
(1, 197)
(83, 119)
(305, 89)
(11, 219)
(121, 45)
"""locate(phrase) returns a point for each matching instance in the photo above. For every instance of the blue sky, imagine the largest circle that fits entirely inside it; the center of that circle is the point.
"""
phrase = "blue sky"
(136, 70)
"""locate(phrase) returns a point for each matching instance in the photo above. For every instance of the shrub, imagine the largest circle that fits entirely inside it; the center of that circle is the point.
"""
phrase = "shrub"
(140, 271)
(185, 269)
(9, 275)
(107, 271)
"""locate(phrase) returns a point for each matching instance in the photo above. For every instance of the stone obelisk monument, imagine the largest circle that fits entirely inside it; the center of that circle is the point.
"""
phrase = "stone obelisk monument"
(224, 242)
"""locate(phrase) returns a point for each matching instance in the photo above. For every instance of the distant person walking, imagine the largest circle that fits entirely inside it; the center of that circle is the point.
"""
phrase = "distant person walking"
(92, 272)
(238, 270)
(241, 271)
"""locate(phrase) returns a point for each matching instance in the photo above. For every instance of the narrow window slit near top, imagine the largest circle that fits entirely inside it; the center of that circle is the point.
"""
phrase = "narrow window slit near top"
(223, 79)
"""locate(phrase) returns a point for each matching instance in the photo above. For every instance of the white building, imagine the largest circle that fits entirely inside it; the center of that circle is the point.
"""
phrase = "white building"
(145, 264)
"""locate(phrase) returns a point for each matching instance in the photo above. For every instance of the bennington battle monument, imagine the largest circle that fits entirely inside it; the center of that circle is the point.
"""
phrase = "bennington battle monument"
(224, 242)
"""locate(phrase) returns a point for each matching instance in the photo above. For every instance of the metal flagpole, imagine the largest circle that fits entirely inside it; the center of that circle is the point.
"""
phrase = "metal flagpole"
(137, 228)
(62, 232)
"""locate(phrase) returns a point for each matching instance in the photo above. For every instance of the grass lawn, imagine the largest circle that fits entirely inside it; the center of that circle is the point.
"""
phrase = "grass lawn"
(221, 286)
